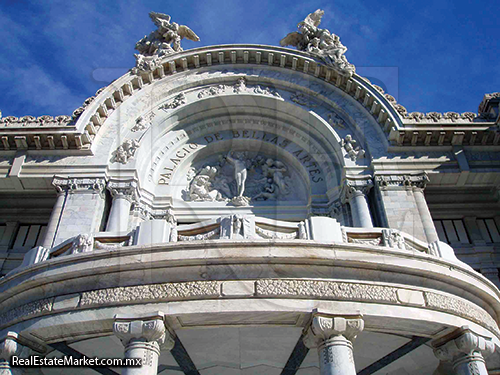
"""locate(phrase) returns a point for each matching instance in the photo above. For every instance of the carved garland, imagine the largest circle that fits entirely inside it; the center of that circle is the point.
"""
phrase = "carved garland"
(270, 288)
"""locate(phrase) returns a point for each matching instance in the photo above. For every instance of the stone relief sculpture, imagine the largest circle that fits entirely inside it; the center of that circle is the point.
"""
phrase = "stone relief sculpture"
(126, 151)
(354, 152)
(171, 219)
(161, 42)
(239, 179)
(320, 42)
(140, 124)
(83, 243)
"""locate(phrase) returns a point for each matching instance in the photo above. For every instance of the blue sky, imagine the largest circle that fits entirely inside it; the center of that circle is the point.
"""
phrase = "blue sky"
(432, 55)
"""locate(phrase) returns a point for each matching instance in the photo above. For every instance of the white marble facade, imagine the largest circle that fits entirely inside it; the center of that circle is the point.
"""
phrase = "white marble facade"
(266, 210)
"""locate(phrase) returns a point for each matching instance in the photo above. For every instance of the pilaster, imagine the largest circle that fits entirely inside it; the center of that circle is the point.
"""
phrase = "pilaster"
(143, 336)
(404, 204)
(333, 336)
(466, 350)
(79, 208)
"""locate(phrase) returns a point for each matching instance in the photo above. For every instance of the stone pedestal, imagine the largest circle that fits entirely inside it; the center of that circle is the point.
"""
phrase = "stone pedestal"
(333, 337)
(123, 194)
(355, 192)
(465, 350)
(143, 336)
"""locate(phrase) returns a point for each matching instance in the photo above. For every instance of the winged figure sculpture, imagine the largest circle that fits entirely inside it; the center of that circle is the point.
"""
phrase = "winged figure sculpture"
(320, 42)
(166, 39)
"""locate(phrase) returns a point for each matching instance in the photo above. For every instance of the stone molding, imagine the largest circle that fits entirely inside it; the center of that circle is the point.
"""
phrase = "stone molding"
(124, 189)
(79, 185)
(464, 345)
(382, 107)
(268, 288)
(353, 187)
(401, 181)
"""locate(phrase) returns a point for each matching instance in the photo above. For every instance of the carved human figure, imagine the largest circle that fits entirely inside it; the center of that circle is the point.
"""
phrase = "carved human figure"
(275, 169)
(171, 219)
(240, 172)
(237, 226)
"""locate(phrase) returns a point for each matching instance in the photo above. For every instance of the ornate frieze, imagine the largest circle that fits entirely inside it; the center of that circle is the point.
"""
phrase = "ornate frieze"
(406, 181)
(141, 124)
(319, 43)
(303, 100)
(79, 185)
(241, 86)
(83, 243)
(126, 151)
(269, 288)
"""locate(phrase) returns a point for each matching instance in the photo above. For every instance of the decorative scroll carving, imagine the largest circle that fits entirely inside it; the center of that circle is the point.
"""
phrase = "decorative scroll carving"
(319, 42)
(179, 100)
(466, 347)
(201, 237)
(350, 148)
(126, 151)
(355, 187)
(140, 124)
(365, 241)
(302, 99)
(266, 91)
(161, 42)
(269, 234)
(259, 178)
(211, 91)
(124, 189)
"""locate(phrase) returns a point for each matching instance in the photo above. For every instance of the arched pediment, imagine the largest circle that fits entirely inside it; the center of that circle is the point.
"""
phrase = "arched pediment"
(309, 121)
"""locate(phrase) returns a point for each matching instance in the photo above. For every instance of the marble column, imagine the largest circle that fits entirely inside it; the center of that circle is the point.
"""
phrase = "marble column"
(465, 350)
(333, 337)
(55, 216)
(143, 336)
(123, 193)
(425, 214)
(9, 347)
(355, 193)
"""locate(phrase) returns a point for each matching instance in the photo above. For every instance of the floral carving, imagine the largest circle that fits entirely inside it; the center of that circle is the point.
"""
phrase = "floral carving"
(435, 116)
(401, 110)
(211, 91)
(453, 116)
(29, 309)
(140, 124)
(179, 100)
(417, 116)
(302, 99)
(468, 116)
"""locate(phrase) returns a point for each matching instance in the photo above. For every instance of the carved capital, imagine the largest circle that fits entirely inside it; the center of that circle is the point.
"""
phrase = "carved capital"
(123, 189)
(463, 344)
(402, 181)
(147, 329)
(324, 327)
(353, 187)
(79, 185)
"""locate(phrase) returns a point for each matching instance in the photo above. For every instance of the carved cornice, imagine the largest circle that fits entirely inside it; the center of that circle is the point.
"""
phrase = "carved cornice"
(404, 181)
(79, 185)
(464, 344)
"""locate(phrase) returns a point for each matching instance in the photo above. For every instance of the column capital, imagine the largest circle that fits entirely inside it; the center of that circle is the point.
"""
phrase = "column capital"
(94, 185)
(144, 328)
(407, 181)
(124, 189)
(323, 327)
(461, 344)
(355, 186)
